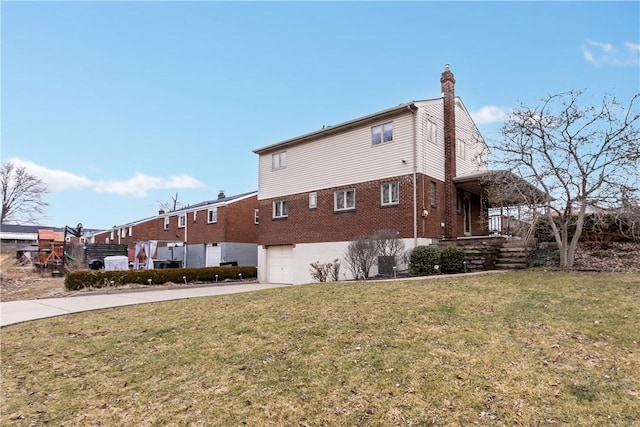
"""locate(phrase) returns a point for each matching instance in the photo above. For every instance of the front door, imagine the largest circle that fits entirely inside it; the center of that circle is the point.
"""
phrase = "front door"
(467, 214)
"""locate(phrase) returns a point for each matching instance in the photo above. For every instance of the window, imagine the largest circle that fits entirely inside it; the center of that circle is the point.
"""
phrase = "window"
(390, 193)
(256, 216)
(166, 222)
(460, 148)
(345, 199)
(279, 160)
(131, 231)
(432, 132)
(313, 200)
(432, 194)
(212, 215)
(280, 209)
(182, 220)
(123, 233)
(112, 234)
(106, 240)
(195, 216)
(382, 133)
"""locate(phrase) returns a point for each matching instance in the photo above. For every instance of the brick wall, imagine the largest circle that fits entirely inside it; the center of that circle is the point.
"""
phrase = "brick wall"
(323, 224)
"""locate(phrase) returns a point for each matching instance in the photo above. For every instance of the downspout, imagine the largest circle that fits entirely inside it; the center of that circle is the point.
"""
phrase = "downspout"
(415, 175)
(186, 224)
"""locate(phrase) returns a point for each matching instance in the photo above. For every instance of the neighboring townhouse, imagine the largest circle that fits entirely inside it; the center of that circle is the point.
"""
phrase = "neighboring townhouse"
(411, 168)
(201, 235)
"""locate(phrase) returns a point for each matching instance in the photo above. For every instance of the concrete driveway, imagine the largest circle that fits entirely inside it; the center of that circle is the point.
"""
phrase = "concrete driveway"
(12, 312)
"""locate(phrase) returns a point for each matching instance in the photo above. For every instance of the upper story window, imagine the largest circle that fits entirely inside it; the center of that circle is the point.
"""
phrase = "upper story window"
(131, 231)
(432, 132)
(195, 216)
(182, 220)
(460, 148)
(390, 193)
(382, 133)
(313, 200)
(279, 160)
(166, 222)
(123, 233)
(112, 234)
(256, 216)
(344, 199)
(106, 240)
(280, 209)
(212, 215)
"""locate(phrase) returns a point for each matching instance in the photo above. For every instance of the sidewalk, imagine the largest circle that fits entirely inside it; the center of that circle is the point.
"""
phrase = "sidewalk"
(12, 312)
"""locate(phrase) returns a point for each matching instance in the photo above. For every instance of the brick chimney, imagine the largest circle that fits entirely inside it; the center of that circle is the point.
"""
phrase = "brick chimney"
(447, 82)
(161, 212)
(221, 195)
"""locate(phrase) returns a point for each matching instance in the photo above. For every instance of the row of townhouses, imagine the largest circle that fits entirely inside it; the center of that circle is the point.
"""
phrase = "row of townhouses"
(414, 169)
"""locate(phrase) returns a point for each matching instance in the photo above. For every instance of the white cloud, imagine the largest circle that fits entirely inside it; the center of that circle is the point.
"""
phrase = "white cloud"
(140, 184)
(489, 114)
(55, 179)
(137, 186)
(603, 54)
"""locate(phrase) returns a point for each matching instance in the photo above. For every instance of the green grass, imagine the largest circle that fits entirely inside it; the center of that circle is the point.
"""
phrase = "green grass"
(521, 348)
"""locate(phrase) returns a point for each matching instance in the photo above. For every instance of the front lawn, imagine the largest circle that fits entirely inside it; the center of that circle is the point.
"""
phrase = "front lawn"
(519, 348)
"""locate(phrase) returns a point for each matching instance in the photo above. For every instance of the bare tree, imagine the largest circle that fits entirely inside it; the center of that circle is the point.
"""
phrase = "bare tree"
(581, 158)
(171, 205)
(360, 257)
(22, 195)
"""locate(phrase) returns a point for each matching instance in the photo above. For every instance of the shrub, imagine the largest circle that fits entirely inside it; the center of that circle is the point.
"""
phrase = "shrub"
(98, 279)
(453, 260)
(423, 260)
(325, 272)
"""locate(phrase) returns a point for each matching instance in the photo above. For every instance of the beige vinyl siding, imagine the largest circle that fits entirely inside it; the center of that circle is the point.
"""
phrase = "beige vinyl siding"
(474, 145)
(337, 160)
(431, 156)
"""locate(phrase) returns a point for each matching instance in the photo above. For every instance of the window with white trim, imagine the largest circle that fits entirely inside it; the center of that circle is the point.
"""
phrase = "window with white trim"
(112, 234)
(182, 220)
(280, 209)
(131, 231)
(313, 200)
(382, 133)
(432, 132)
(166, 222)
(123, 233)
(212, 215)
(389, 193)
(460, 148)
(195, 216)
(106, 240)
(256, 216)
(279, 160)
(344, 199)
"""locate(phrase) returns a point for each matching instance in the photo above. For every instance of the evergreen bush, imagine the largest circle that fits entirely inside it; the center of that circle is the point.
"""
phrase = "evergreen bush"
(423, 260)
(453, 260)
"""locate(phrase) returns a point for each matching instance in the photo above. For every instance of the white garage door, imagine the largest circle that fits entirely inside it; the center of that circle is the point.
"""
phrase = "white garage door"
(213, 257)
(280, 264)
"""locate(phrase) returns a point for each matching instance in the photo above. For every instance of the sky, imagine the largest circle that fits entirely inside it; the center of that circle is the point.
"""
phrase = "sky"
(119, 106)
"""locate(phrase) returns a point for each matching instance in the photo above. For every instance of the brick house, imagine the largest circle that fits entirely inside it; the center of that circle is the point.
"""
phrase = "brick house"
(402, 169)
(199, 235)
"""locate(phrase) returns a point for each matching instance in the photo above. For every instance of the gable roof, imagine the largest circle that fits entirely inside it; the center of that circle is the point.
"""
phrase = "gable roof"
(341, 127)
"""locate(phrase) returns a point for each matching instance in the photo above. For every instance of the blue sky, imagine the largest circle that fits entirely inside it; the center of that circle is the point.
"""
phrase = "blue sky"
(118, 106)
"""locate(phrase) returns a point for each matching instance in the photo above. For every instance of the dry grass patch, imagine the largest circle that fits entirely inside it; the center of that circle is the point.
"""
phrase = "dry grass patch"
(522, 348)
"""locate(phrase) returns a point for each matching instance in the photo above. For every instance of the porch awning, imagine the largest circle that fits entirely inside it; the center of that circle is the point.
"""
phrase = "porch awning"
(501, 188)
